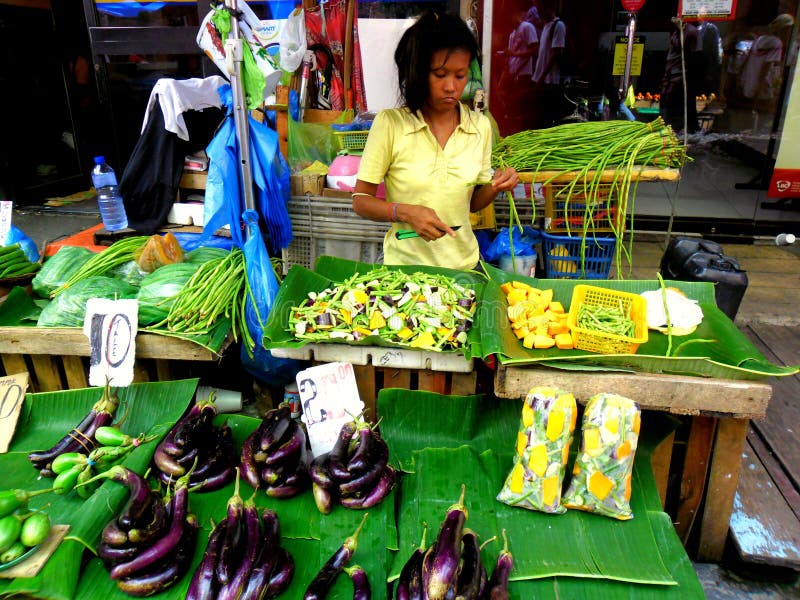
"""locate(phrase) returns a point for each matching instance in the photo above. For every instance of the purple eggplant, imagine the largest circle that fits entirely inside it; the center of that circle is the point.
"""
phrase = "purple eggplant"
(339, 455)
(204, 585)
(323, 498)
(382, 488)
(187, 458)
(281, 575)
(293, 446)
(366, 480)
(230, 551)
(252, 538)
(318, 469)
(276, 423)
(167, 572)
(167, 544)
(168, 463)
(323, 580)
(440, 567)
(217, 480)
(409, 584)
(193, 429)
(472, 574)
(361, 587)
(158, 524)
(111, 555)
(247, 463)
(81, 437)
(497, 586)
(113, 535)
(137, 512)
(286, 490)
(362, 455)
(267, 560)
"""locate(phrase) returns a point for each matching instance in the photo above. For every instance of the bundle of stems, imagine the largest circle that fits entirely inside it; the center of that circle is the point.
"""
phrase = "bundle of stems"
(586, 151)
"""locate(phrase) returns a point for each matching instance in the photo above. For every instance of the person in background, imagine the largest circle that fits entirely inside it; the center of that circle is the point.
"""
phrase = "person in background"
(516, 83)
(433, 153)
(532, 17)
(547, 74)
(672, 83)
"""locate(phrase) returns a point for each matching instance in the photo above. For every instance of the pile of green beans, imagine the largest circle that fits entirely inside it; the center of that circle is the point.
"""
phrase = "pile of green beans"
(101, 263)
(586, 150)
(606, 319)
(217, 289)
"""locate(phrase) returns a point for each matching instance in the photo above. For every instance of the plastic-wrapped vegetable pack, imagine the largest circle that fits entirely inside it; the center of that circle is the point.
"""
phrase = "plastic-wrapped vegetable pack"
(68, 309)
(59, 268)
(543, 442)
(601, 478)
(158, 289)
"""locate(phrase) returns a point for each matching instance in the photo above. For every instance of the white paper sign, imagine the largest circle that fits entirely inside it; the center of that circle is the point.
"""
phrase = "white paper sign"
(111, 327)
(329, 399)
(5, 221)
(12, 394)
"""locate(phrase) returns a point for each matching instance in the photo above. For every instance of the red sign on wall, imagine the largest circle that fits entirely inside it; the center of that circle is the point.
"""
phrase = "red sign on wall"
(632, 5)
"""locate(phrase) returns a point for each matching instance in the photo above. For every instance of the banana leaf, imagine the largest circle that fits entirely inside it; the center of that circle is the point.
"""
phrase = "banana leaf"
(329, 270)
(308, 535)
(443, 441)
(18, 309)
(715, 349)
(45, 418)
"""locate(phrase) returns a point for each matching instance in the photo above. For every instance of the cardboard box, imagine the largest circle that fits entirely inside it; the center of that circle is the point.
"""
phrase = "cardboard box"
(334, 193)
(307, 183)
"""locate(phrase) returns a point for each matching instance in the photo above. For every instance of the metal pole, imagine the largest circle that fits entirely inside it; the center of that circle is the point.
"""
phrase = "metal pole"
(626, 78)
(233, 50)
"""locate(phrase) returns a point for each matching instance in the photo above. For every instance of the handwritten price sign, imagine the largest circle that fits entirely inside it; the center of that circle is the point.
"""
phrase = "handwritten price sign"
(111, 327)
(12, 394)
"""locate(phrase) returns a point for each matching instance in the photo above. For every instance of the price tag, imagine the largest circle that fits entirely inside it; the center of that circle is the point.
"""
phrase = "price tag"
(5, 221)
(12, 394)
(111, 327)
(329, 399)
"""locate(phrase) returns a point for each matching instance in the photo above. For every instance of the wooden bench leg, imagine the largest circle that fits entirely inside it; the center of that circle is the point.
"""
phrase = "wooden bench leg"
(365, 380)
(726, 465)
(693, 477)
(660, 461)
(76, 375)
(464, 384)
(433, 381)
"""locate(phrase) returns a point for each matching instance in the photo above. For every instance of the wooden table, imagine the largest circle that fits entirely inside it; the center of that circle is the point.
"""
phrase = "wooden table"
(607, 176)
(56, 357)
(719, 411)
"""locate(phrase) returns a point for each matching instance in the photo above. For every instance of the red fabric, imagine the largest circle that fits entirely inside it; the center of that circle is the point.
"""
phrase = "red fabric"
(335, 28)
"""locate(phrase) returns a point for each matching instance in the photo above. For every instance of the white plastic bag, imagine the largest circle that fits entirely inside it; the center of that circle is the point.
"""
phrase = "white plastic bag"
(293, 41)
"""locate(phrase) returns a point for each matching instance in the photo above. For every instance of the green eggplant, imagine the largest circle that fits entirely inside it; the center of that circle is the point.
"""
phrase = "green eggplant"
(11, 500)
(16, 550)
(65, 481)
(67, 460)
(35, 529)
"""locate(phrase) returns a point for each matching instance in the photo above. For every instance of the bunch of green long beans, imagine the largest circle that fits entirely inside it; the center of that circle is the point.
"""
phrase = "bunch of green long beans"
(218, 289)
(101, 263)
(586, 151)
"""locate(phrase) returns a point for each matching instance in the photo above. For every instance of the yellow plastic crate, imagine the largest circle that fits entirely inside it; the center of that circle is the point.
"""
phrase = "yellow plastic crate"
(593, 340)
(353, 140)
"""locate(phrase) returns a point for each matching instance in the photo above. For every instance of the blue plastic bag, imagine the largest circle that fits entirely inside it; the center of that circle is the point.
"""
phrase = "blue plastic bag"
(17, 236)
(224, 198)
(524, 243)
(262, 288)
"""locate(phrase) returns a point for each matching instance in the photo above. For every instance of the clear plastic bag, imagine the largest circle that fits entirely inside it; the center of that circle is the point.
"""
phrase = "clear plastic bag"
(293, 41)
(59, 268)
(68, 309)
(159, 251)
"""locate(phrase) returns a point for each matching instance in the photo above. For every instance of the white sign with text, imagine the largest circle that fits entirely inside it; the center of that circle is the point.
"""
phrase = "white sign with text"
(111, 327)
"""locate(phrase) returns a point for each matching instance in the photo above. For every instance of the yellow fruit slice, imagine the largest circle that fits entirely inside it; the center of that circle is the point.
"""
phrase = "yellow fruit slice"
(555, 424)
(591, 441)
(538, 460)
(599, 485)
(527, 414)
(517, 477)
(623, 451)
(522, 441)
(550, 489)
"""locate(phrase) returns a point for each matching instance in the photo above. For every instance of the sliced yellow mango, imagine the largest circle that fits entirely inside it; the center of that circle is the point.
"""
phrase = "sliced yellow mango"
(528, 340)
(538, 460)
(591, 441)
(405, 333)
(550, 490)
(423, 340)
(564, 341)
(517, 477)
(637, 422)
(556, 306)
(543, 341)
(527, 414)
(376, 320)
(599, 485)
(623, 450)
(522, 442)
(555, 424)
(346, 316)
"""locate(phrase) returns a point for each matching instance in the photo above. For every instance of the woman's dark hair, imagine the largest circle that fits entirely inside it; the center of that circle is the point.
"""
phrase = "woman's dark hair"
(432, 32)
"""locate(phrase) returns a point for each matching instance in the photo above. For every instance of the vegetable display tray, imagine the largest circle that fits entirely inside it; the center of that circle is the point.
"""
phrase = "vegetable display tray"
(593, 340)
(567, 257)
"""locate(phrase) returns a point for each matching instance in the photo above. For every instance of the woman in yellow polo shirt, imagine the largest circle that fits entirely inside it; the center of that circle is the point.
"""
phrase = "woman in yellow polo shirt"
(431, 152)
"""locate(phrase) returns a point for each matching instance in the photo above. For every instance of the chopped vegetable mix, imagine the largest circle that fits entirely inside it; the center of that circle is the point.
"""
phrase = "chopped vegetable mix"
(601, 478)
(543, 441)
(419, 310)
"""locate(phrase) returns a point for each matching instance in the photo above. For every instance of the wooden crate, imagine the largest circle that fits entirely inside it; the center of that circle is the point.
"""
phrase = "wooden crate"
(57, 358)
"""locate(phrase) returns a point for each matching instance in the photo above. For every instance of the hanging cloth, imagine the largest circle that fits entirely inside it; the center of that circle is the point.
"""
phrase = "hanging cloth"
(330, 31)
(224, 200)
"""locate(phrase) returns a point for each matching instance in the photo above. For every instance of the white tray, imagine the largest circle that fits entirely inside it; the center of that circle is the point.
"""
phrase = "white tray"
(378, 356)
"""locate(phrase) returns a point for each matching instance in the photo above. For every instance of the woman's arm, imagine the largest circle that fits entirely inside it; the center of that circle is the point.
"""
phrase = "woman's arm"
(503, 180)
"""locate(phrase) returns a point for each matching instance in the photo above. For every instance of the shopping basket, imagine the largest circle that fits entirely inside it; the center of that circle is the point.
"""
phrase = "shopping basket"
(576, 257)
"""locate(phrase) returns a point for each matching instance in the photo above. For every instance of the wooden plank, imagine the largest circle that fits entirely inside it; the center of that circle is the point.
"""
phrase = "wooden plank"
(47, 375)
(674, 394)
(782, 341)
(649, 174)
(397, 378)
(75, 372)
(776, 472)
(14, 363)
(367, 389)
(726, 465)
(193, 180)
(463, 384)
(693, 474)
(660, 462)
(433, 381)
(71, 341)
(163, 370)
(763, 527)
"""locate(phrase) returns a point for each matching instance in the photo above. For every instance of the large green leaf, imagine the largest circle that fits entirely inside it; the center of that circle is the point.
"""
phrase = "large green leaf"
(18, 309)
(715, 349)
(45, 418)
(327, 272)
(444, 441)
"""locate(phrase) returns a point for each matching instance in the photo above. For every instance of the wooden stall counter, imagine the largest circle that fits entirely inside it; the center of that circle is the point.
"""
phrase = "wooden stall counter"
(57, 358)
(718, 413)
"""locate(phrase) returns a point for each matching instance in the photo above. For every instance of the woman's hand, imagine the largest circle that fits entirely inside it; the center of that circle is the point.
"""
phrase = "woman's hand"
(504, 179)
(424, 221)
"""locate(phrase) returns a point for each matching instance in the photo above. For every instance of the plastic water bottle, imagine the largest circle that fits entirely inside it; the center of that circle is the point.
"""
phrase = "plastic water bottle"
(112, 209)
(784, 239)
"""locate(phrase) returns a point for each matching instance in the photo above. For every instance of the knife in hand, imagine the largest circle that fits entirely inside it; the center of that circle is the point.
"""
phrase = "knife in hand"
(404, 234)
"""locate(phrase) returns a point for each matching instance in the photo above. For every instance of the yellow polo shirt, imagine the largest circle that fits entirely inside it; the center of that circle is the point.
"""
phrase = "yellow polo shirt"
(402, 152)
